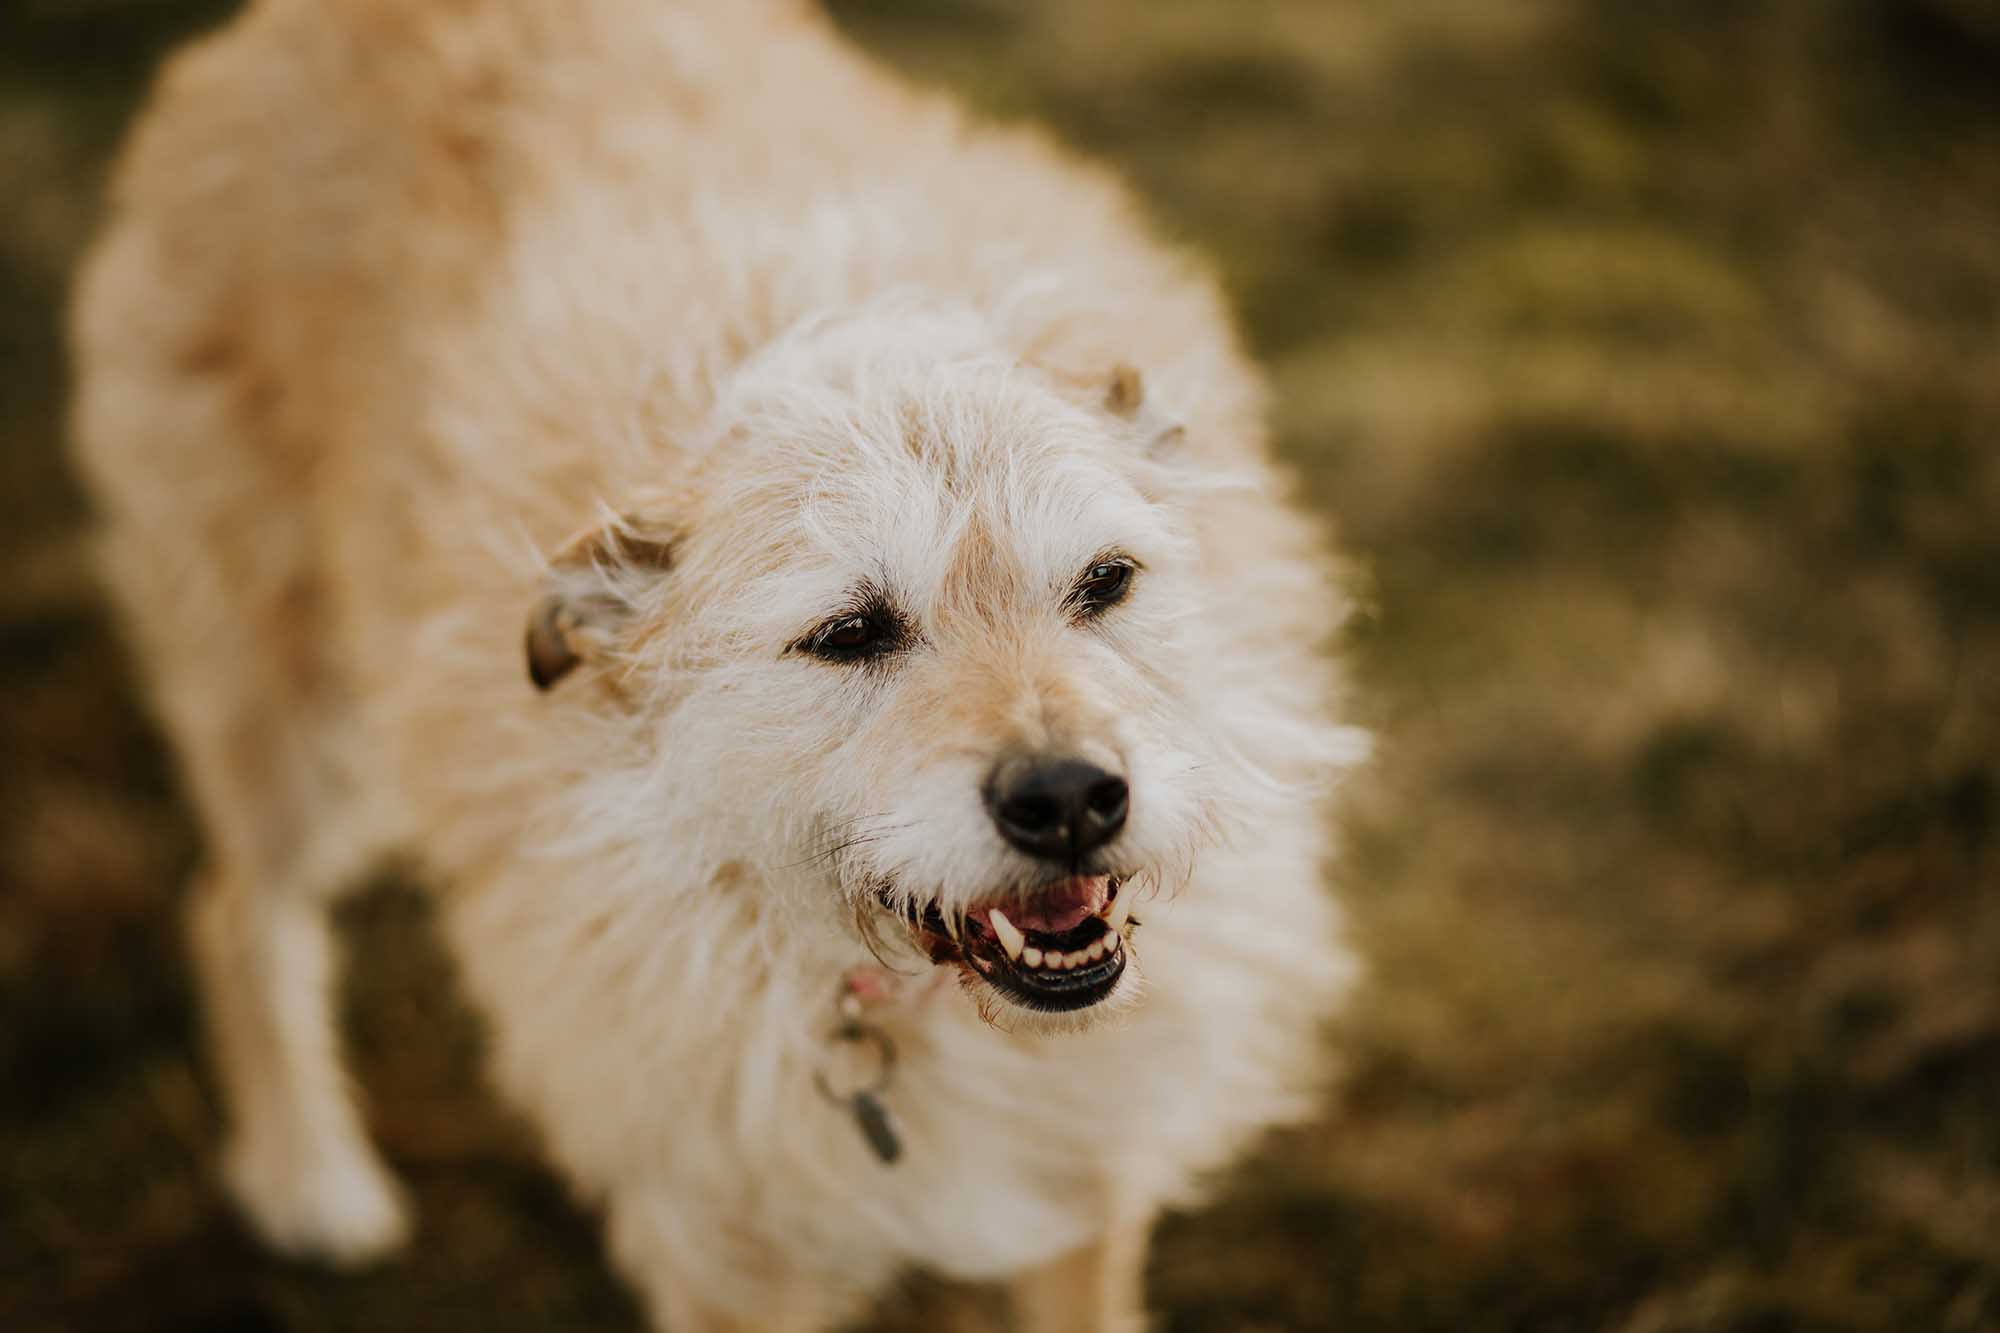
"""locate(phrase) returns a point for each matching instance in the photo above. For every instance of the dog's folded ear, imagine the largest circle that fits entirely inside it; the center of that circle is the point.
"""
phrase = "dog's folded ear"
(1125, 396)
(595, 583)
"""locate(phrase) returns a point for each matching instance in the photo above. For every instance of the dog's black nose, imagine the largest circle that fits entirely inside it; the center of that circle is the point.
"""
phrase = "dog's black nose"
(1059, 809)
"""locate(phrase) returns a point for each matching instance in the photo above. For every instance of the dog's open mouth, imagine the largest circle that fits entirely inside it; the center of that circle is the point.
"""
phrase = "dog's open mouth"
(1061, 947)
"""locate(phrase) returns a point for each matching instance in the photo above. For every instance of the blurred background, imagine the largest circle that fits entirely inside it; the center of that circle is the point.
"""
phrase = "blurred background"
(1647, 355)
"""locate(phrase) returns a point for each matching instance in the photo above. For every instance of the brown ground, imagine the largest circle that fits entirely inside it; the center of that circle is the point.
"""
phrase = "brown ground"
(1646, 352)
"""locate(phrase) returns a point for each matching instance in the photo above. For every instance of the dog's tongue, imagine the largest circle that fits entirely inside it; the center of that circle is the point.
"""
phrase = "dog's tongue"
(1062, 907)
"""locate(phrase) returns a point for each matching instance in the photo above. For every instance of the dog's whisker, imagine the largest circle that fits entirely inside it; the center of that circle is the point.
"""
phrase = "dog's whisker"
(868, 926)
(843, 845)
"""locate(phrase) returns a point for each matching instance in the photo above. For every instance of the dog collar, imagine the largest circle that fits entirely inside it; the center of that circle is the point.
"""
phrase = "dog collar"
(868, 987)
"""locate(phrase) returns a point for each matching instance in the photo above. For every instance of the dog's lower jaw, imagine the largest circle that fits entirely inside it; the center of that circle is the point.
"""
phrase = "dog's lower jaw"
(1008, 1016)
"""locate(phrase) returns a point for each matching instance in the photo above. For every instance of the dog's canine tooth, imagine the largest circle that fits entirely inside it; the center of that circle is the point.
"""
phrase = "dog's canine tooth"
(1121, 909)
(1111, 942)
(1011, 939)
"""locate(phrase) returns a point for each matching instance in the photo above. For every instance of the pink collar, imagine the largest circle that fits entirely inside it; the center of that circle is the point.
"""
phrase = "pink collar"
(871, 986)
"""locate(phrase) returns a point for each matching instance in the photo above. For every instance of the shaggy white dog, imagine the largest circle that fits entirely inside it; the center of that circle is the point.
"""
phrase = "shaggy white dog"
(915, 612)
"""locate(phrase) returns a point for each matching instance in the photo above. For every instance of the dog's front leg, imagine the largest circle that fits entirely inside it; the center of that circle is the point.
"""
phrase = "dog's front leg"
(1099, 1288)
(692, 1281)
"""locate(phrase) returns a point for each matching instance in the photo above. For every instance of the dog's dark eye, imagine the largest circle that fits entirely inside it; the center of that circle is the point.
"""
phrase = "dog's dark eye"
(1102, 585)
(851, 638)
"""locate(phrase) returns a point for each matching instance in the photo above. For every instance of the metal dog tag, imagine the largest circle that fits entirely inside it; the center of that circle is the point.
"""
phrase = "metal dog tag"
(871, 1115)
(877, 1126)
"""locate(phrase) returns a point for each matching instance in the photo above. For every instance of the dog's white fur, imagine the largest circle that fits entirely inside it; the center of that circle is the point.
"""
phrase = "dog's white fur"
(400, 295)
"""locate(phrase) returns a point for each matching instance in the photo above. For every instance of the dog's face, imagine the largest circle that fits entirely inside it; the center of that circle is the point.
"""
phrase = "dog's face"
(924, 635)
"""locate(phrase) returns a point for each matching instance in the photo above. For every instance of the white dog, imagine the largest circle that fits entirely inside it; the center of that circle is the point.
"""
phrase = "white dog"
(902, 648)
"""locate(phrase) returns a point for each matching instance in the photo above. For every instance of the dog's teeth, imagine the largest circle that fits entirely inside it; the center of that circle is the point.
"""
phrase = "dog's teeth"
(1070, 961)
(1011, 939)
(1121, 908)
(1095, 951)
(1031, 956)
(1111, 942)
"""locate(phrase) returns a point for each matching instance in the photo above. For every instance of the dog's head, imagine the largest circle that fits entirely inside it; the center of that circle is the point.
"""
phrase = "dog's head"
(925, 639)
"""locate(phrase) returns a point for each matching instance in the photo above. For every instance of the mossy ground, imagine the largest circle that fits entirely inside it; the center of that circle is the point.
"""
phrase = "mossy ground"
(1644, 355)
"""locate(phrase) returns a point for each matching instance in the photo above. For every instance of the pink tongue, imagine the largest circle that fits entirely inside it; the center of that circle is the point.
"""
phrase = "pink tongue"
(1061, 907)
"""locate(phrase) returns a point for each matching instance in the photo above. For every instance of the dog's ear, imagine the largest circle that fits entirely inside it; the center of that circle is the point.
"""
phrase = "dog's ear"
(594, 584)
(1126, 393)
(1125, 396)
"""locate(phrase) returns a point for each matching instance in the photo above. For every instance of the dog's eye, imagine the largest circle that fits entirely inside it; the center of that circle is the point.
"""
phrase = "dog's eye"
(847, 635)
(851, 638)
(1102, 585)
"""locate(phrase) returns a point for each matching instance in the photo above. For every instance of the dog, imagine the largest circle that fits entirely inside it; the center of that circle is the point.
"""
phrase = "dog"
(903, 846)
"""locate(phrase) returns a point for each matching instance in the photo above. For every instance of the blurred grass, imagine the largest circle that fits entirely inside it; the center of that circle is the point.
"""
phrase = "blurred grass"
(1649, 356)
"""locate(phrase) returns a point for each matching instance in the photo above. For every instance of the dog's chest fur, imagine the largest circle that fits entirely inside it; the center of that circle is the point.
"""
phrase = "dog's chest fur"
(695, 1085)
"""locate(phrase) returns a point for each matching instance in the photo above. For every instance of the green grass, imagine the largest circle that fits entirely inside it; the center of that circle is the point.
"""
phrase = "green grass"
(1644, 356)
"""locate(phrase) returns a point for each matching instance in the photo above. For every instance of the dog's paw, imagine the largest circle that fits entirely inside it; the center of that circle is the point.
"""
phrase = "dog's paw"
(343, 1209)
